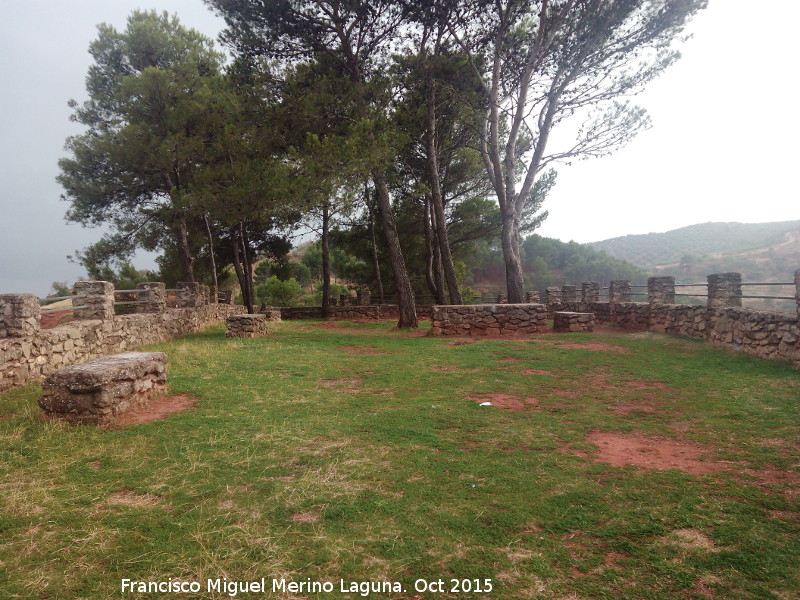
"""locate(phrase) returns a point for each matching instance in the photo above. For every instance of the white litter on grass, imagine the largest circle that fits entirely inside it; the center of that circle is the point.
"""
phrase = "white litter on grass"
(485, 404)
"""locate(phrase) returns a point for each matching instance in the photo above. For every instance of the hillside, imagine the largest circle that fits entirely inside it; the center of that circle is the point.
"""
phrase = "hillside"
(761, 252)
(704, 242)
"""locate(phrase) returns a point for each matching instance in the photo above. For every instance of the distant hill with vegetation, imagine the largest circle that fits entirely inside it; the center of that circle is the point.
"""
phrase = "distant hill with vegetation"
(761, 252)
(706, 241)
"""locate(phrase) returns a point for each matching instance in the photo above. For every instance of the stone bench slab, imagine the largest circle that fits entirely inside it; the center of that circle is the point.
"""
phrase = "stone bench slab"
(566, 321)
(105, 387)
(246, 326)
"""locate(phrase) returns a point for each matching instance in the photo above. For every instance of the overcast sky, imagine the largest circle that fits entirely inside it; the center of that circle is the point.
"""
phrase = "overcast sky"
(722, 146)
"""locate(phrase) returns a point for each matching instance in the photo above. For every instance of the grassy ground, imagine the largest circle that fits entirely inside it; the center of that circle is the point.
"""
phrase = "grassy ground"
(349, 451)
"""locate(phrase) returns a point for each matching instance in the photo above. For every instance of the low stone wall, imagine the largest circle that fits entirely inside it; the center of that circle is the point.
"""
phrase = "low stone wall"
(375, 312)
(28, 353)
(760, 333)
(488, 319)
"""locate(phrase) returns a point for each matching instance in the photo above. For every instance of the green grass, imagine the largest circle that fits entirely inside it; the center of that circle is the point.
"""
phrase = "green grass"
(360, 453)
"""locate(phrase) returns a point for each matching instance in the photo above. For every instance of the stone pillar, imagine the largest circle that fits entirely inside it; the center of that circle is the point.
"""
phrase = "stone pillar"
(363, 296)
(569, 293)
(97, 297)
(204, 293)
(153, 297)
(226, 297)
(553, 295)
(502, 298)
(590, 291)
(797, 293)
(188, 294)
(20, 315)
(532, 297)
(661, 290)
(619, 290)
(213, 294)
(724, 289)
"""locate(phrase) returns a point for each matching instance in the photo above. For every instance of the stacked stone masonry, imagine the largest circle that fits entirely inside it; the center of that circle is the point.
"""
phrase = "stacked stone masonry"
(28, 353)
(375, 312)
(565, 321)
(104, 388)
(488, 319)
(272, 313)
(246, 326)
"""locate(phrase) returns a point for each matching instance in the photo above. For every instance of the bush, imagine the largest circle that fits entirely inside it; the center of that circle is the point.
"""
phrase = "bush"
(278, 293)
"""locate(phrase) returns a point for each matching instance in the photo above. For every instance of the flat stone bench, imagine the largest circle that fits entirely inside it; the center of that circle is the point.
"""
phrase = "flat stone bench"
(246, 326)
(105, 387)
(564, 321)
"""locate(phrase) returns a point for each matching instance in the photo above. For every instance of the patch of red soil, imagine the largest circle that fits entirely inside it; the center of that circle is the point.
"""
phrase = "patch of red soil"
(155, 410)
(508, 402)
(511, 359)
(611, 559)
(50, 320)
(536, 372)
(622, 449)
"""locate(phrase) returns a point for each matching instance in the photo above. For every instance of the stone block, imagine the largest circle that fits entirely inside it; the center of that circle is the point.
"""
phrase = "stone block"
(105, 387)
(564, 321)
(246, 326)
(20, 315)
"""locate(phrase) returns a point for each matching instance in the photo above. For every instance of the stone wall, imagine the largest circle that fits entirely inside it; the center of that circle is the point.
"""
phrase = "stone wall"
(722, 321)
(375, 312)
(488, 319)
(28, 353)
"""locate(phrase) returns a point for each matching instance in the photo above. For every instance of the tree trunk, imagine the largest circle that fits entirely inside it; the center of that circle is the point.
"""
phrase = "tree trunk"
(248, 269)
(510, 239)
(211, 254)
(184, 250)
(375, 261)
(436, 257)
(326, 263)
(237, 264)
(437, 201)
(405, 293)
(426, 225)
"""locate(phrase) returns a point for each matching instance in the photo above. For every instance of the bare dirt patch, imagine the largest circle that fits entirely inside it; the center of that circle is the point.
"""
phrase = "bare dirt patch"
(132, 499)
(623, 449)
(328, 325)
(508, 402)
(536, 372)
(308, 516)
(155, 410)
(693, 538)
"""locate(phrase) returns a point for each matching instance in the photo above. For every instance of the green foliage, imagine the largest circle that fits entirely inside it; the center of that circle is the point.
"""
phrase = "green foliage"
(548, 261)
(284, 270)
(60, 288)
(276, 292)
